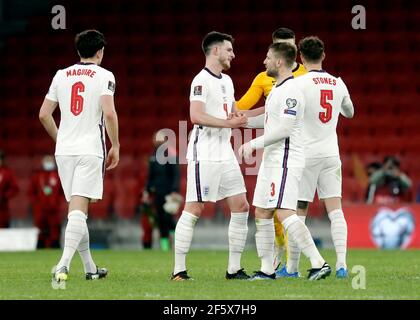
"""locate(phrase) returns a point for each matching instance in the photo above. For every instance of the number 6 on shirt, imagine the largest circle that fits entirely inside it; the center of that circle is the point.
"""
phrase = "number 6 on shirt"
(76, 103)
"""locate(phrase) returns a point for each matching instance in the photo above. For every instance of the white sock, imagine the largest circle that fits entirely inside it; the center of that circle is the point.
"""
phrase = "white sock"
(84, 251)
(264, 238)
(299, 233)
(278, 253)
(339, 236)
(75, 230)
(183, 235)
(293, 253)
(238, 231)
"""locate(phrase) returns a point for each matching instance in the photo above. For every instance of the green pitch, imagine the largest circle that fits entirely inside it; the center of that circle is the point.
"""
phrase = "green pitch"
(145, 275)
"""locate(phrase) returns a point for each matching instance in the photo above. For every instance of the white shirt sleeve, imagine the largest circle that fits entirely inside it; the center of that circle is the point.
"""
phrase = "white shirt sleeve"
(279, 132)
(347, 108)
(199, 90)
(282, 130)
(108, 85)
(52, 91)
(281, 119)
(256, 122)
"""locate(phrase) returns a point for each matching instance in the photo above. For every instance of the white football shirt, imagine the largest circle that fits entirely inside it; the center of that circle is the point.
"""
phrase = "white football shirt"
(285, 101)
(78, 89)
(217, 93)
(324, 95)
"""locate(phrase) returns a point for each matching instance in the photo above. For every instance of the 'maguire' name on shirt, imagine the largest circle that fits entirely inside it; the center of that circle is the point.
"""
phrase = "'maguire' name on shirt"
(80, 72)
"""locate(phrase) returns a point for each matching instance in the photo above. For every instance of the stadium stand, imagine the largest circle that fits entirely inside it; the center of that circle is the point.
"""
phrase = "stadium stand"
(154, 51)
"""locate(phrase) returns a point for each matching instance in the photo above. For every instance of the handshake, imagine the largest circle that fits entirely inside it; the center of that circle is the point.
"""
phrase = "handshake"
(237, 120)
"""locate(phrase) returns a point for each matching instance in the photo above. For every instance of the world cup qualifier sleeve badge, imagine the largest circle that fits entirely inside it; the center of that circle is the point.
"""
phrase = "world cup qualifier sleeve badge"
(198, 90)
(111, 86)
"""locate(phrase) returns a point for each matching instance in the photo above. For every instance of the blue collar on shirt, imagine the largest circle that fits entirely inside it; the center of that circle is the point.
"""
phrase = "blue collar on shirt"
(323, 71)
(216, 76)
(278, 85)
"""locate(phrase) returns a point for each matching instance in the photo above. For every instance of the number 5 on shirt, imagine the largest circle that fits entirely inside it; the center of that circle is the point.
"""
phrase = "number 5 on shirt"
(327, 114)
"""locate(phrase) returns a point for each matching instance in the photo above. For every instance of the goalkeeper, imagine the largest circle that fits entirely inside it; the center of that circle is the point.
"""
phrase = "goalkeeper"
(261, 87)
(162, 191)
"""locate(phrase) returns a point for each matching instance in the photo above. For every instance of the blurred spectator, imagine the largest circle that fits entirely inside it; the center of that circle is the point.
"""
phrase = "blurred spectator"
(161, 198)
(389, 184)
(147, 220)
(8, 189)
(46, 195)
(371, 168)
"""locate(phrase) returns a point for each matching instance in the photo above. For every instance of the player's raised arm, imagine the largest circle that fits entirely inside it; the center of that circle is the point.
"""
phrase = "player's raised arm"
(46, 118)
(249, 113)
(199, 116)
(282, 130)
(111, 125)
(255, 116)
(252, 96)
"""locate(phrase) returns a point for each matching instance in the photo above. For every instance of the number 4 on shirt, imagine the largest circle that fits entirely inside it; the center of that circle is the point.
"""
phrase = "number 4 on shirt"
(225, 107)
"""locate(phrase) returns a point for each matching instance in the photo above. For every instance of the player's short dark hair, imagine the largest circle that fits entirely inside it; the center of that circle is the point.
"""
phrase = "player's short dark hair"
(311, 48)
(212, 38)
(285, 50)
(88, 42)
(283, 33)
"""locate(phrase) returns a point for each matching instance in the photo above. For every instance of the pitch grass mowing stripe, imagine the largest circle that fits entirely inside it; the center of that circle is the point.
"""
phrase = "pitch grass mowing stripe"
(145, 275)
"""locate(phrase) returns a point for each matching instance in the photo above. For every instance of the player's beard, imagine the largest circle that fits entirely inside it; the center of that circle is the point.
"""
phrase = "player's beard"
(272, 73)
(225, 64)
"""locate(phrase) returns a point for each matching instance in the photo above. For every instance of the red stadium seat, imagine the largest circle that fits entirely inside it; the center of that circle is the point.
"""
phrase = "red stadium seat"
(154, 70)
(103, 209)
(352, 190)
(125, 197)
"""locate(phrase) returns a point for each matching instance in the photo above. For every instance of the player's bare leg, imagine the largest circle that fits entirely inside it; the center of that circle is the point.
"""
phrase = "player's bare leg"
(183, 236)
(299, 233)
(238, 231)
(338, 234)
